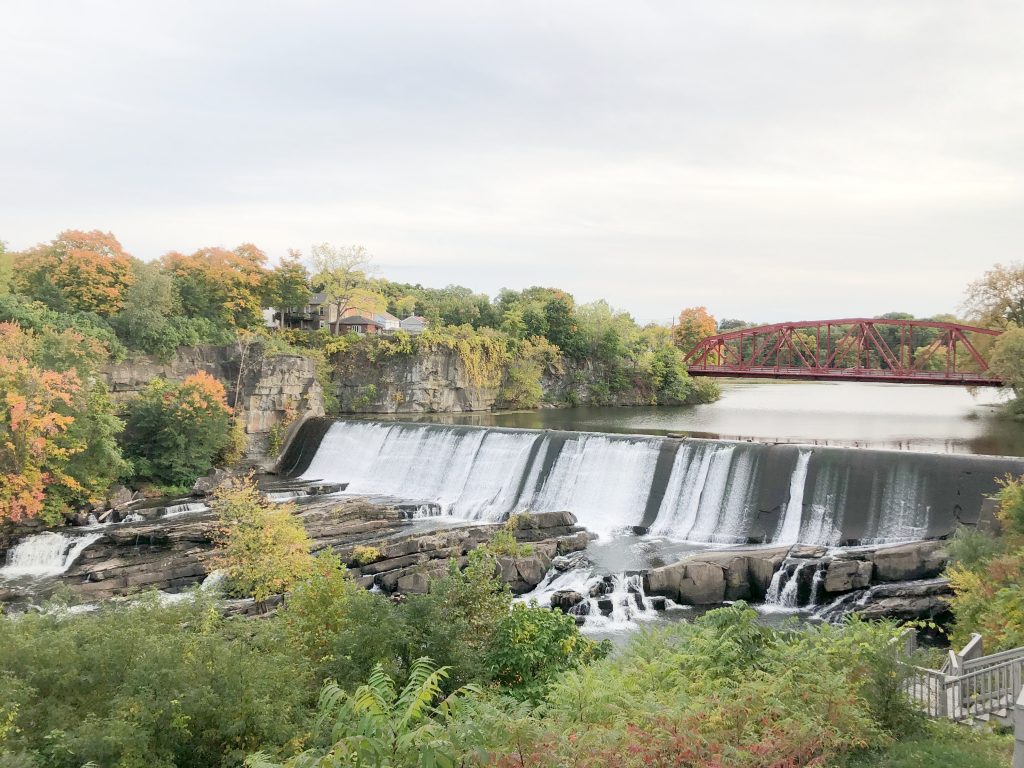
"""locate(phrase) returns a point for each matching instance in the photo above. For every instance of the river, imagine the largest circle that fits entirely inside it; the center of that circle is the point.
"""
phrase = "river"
(909, 417)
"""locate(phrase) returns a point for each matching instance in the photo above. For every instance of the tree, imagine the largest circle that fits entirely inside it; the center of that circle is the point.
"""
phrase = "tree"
(174, 432)
(1007, 360)
(695, 325)
(263, 547)
(34, 425)
(151, 302)
(222, 286)
(85, 271)
(288, 284)
(997, 297)
(341, 273)
(6, 269)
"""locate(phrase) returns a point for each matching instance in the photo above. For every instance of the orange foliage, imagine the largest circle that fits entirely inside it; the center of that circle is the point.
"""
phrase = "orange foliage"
(220, 284)
(695, 324)
(91, 269)
(31, 427)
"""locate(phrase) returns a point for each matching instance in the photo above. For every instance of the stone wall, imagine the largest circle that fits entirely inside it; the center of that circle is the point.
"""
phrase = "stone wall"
(271, 393)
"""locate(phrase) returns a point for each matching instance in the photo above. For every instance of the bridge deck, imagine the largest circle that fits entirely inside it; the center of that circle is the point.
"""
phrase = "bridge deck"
(852, 374)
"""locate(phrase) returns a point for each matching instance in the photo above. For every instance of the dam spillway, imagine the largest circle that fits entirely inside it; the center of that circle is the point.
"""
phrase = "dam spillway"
(702, 491)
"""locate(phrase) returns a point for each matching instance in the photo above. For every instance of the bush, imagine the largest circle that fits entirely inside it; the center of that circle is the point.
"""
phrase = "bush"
(532, 645)
(175, 432)
(263, 547)
(145, 685)
(364, 555)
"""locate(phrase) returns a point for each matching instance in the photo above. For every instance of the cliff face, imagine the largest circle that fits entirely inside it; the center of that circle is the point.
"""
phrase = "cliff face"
(271, 394)
(437, 382)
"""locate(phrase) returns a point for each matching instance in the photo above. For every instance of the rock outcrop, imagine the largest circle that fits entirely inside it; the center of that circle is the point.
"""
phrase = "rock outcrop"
(271, 393)
(173, 554)
(898, 581)
(707, 578)
(436, 382)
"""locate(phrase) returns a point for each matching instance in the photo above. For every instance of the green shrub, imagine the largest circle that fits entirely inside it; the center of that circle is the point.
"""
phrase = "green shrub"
(364, 555)
(174, 432)
(532, 645)
(146, 685)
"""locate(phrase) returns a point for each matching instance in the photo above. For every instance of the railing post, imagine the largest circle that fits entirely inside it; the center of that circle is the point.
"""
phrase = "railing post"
(1018, 733)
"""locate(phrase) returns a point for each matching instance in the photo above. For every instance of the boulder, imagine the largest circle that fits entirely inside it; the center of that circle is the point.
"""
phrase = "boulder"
(845, 575)
(907, 562)
(119, 496)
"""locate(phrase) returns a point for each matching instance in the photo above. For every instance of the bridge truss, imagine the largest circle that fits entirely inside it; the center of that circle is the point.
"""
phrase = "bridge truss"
(851, 349)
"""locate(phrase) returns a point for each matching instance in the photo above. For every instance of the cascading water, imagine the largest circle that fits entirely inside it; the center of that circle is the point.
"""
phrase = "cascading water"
(701, 491)
(789, 530)
(45, 554)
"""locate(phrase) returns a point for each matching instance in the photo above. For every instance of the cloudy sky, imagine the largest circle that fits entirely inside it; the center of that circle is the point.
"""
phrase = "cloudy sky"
(773, 161)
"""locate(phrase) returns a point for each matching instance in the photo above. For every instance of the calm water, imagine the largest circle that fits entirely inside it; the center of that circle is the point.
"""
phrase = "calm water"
(912, 417)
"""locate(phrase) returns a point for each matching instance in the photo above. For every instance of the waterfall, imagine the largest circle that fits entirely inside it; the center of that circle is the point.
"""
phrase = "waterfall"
(45, 554)
(789, 530)
(185, 508)
(700, 491)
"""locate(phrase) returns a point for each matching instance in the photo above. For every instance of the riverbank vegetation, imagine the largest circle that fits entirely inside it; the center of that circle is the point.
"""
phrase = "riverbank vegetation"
(341, 676)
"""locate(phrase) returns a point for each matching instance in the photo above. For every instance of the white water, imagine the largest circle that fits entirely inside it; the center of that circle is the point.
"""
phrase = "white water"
(45, 554)
(185, 508)
(630, 606)
(789, 531)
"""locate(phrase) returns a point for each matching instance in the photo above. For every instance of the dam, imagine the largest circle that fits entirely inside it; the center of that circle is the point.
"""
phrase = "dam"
(700, 491)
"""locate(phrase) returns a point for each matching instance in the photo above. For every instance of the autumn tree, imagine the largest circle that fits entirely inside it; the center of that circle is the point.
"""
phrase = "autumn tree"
(86, 271)
(997, 298)
(175, 432)
(263, 547)
(342, 274)
(34, 425)
(222, 286)
(695, 324)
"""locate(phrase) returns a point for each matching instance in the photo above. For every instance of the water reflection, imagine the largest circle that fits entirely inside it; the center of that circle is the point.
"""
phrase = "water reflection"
(911, 417)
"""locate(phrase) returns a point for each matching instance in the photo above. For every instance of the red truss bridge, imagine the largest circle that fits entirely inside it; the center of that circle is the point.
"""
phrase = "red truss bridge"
(852, 349)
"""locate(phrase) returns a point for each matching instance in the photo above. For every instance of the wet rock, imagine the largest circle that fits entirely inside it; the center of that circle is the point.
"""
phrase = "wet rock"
(119, 496)
(657, 603)
(565, 600)
(605, 606)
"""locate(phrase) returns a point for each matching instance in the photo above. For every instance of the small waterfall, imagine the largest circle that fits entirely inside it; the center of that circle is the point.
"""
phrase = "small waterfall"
(784, 588)
(45, 554)
(789, 530)
(279, 497)
(610, 603)
(817, 585)
(185, 508)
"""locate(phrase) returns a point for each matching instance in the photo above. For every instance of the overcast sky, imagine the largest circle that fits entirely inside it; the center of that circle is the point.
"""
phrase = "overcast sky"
(773, 161)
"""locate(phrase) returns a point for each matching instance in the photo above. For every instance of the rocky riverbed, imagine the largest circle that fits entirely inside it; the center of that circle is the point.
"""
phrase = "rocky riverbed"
(401, 548)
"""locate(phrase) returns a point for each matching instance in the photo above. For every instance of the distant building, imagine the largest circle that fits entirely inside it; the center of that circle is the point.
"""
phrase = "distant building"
(356, 324)
(413, 324)
(385, 320)
(317, 314)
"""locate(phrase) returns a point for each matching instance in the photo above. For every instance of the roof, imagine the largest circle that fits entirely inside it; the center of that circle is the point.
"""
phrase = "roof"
(357, 320)
(318, 298)
(384, 316)
(414, 317)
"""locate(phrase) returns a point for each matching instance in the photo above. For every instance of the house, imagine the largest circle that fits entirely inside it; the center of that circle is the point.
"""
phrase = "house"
(413, 324)
(385, 320)
(356, 324)
(318, 313)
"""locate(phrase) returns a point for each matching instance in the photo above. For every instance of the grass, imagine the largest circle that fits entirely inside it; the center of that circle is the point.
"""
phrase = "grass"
(940, 744)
